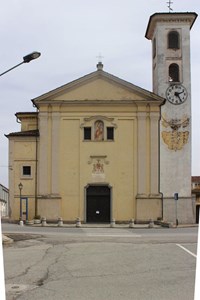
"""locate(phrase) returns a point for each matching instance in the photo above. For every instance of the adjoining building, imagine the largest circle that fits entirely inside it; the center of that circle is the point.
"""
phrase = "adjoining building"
(100, 148)
(196, 192)
(4, 201)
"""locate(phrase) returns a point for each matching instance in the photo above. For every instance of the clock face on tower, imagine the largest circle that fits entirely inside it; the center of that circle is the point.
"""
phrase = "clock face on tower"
(176, 94)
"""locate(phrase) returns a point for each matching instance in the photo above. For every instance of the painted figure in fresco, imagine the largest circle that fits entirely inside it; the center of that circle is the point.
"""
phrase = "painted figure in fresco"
(98, 131)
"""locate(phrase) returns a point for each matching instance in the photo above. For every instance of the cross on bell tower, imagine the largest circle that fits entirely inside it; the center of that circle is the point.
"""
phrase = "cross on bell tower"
(169, 5)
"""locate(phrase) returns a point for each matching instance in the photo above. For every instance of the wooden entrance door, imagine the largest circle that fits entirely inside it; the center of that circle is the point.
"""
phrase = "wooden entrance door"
(98, 204)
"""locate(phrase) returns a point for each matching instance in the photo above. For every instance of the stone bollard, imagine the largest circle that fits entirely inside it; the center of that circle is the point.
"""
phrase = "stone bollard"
(112, 223)
(78, 223)
(44, 221)
(171, 225)
(132, 223)
(21, 223)
(151, 223)
(37, 221)
(60, 222)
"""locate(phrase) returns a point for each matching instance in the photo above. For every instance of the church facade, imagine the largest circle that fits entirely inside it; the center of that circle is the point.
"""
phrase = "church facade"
(92, 149)
(93, 146)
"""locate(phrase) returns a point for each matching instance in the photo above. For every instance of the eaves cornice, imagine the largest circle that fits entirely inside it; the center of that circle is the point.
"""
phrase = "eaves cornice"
(27, 133)
(61, 103)
(182, 17)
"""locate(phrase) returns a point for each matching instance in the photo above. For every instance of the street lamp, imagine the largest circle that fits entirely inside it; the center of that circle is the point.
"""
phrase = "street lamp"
(26, 59)
(20, 196)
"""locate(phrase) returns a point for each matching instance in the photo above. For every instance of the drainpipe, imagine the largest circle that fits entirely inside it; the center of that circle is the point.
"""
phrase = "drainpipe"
(159, 155)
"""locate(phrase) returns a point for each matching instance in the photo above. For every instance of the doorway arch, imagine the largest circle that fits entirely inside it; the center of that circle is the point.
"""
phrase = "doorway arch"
(98, 204)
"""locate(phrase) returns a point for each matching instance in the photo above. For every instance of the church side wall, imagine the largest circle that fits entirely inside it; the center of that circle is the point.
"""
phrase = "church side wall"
(22, 153)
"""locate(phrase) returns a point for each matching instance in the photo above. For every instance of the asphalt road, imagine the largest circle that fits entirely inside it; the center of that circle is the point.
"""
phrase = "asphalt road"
(100, 263)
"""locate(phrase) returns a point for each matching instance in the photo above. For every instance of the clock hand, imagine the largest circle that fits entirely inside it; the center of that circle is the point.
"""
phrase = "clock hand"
(178, 95)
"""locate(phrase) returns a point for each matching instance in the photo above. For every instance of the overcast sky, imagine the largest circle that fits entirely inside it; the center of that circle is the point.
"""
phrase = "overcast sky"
(70, 34)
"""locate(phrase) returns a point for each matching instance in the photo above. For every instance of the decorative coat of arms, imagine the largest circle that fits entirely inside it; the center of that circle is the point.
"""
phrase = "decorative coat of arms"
(98, 162)
(98, 168)
(176, 136)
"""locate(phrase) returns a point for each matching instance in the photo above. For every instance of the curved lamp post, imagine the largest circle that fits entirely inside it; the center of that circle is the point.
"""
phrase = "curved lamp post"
(26, 59)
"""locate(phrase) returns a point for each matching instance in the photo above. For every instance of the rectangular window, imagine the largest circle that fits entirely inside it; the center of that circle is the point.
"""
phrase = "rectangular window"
(110, 133)
(26, 170)
(87, 133)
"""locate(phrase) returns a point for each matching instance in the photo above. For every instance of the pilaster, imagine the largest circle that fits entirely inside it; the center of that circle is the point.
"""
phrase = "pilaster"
(142, 153)
(43, 154)
(55, 150)
(154, 153)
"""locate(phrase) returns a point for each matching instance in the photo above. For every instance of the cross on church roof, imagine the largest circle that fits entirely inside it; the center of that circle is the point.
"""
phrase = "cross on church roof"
(169, 5)
(99, 58)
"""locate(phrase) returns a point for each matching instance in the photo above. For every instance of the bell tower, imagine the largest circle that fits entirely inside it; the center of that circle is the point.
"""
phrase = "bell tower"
(170, 36)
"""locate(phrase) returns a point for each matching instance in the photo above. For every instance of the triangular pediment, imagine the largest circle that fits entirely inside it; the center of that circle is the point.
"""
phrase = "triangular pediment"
(98, 85)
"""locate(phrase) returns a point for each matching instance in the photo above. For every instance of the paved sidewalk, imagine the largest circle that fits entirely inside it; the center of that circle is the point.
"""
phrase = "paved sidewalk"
(6, 240)
(120, 225)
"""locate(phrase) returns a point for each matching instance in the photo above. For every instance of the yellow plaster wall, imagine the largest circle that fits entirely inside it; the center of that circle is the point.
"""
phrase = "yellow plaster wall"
(69, 168)
(28, 123)
(122, 171)
(23, 155)
(50, 208)
(99, 89)
(76, 171)
(24, 150)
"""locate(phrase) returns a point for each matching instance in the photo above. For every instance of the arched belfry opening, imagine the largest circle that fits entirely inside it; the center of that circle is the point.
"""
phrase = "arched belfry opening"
(174, 73)
(173, 40)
